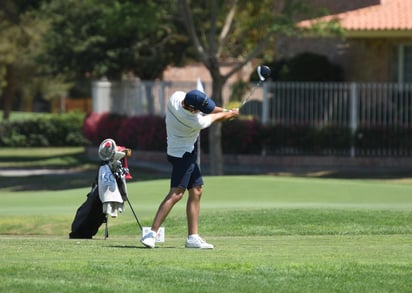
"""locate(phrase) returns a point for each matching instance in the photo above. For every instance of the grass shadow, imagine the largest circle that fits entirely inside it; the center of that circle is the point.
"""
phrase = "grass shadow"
(55, 169)
(66, 179)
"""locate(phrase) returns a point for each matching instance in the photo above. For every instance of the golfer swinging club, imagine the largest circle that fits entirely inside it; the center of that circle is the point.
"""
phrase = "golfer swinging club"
(184, 120)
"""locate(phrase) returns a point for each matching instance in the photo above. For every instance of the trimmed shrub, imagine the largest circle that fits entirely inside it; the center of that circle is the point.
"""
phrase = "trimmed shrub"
(50, 130)
(384, 137)
(334, 137)
(305, 139)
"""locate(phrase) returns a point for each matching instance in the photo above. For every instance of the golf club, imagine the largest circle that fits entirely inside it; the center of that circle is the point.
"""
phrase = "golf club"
(106, 220)
(263, 72)
(134, 214)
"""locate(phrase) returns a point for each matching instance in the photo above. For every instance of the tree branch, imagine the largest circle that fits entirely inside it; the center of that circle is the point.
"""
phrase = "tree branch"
(190, 27)
(256, 51)
(227, 26)
(213, 28)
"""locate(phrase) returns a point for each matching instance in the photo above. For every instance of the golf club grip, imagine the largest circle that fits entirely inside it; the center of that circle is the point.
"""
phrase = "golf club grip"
(128, 152)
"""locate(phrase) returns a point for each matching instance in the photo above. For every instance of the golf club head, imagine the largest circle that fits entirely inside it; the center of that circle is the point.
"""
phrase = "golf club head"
(263, 72)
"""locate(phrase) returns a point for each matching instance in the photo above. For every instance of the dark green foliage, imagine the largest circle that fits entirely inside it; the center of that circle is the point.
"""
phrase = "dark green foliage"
(279, 137)
(54, 130)
(110, 38)
(305, 67)
(334, 137)
(384, 137)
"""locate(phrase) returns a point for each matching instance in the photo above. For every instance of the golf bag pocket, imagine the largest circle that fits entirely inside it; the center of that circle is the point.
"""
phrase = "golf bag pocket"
(109, 192)
(89, 216)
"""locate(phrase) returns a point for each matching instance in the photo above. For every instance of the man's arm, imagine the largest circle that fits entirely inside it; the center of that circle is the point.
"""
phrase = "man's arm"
(220, 114)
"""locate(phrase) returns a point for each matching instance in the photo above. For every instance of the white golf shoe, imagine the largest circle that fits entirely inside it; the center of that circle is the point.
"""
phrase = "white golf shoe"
(197, 242)
(149, 239)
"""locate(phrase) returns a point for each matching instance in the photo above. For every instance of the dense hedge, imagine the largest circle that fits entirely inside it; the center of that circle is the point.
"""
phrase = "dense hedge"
(246, 136)
(47, 130)
(238, 136)
(383, 138)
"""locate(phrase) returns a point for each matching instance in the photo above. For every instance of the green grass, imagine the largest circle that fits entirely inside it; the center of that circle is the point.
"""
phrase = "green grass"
(271, 234)
(59, 159)
(277, 264)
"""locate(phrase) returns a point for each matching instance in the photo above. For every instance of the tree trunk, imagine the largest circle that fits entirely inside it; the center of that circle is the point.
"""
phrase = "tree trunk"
(215, 131)
(215, 149)
(8, 93)
(150, 97)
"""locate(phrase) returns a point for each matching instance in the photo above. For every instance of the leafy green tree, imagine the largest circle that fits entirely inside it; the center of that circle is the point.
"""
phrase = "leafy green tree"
(106, 38)
(13, 40)
(20, 42)
(109, 38)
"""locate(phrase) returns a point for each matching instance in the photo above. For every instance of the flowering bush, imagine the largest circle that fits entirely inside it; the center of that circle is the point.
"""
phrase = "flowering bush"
(90, 126)
(108, 126)
(142, 132)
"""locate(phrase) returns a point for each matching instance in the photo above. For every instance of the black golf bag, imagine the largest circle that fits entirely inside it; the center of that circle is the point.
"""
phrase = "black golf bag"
(89, 216)
(107, 195)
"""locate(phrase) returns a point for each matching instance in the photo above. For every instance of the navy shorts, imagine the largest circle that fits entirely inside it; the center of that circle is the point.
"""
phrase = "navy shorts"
(185, 171)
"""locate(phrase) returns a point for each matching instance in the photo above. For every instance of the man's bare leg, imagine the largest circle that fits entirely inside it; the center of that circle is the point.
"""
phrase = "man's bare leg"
(175, 194)
(193, 210)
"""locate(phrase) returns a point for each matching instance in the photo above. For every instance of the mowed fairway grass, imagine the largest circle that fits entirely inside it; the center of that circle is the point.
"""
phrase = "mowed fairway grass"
(271, 234)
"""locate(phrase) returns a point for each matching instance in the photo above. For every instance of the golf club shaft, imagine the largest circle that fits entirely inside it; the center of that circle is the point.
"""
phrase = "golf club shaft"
(134, 214)
(251, 92)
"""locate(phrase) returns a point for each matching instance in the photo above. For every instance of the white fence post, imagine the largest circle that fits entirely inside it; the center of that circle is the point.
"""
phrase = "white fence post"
(101, 91)
(353, 115)
(265, 104)
(162, 98)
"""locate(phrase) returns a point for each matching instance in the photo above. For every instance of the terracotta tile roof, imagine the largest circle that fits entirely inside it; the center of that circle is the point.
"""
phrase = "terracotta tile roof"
(388, 15)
